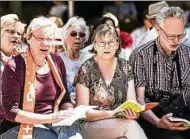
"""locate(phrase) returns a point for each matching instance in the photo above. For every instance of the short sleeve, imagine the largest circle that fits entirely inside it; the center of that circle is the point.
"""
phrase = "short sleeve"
(137, 69)
(83, 76)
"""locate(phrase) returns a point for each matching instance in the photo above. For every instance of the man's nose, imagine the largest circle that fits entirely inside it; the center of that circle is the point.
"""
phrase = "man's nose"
(177, 40)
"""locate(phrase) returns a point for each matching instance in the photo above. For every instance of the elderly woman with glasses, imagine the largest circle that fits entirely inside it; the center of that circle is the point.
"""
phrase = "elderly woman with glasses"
(34, 90)
(104, 80)
(75, 34)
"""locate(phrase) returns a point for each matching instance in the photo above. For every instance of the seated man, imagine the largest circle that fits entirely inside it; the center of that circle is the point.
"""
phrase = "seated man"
(161, 71)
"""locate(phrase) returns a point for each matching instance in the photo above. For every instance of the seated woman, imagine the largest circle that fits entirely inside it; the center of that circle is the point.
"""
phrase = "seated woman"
(11, 34)
(32, 89)
(103, 80)
(75, 34)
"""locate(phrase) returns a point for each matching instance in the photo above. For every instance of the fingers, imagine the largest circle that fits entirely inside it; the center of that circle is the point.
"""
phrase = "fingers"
(167, 124)
(130, 114)
(180, 128)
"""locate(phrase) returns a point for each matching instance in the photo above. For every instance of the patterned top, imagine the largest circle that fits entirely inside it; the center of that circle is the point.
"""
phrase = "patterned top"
(162, 75)
(105, 96)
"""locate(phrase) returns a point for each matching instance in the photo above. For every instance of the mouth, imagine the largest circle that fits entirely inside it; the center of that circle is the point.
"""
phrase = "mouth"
(44, 50)
(174, 46)
(107, 52)
(77, 43)
(14, 43)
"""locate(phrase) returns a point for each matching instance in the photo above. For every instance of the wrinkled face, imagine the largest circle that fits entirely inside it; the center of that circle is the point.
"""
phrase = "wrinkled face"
(75, 38)
(106, 46)
(39, 43)
(171, 33)
(9, 39)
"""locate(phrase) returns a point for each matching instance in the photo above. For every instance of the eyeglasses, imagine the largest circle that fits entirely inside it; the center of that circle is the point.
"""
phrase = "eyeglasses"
(12, 31)
(173, 36)
(75, 33)
(111, 43)
(40, 39)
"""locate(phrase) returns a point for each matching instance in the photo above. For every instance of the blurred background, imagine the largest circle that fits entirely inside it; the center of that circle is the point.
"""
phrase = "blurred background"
(129, 13)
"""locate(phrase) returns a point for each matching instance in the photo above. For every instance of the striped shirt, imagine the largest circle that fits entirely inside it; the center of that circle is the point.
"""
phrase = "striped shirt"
(156, 71)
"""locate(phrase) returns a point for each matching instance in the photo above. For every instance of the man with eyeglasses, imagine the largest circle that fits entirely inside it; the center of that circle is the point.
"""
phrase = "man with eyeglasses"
(162, 74)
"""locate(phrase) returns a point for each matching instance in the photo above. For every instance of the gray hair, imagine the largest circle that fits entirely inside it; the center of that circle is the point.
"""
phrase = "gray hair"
(78, 22)
(167, 12)
(41, 22)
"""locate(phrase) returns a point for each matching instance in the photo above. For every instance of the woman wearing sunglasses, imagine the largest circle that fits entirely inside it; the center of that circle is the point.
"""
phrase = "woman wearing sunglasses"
(75, 34)
(103, 80)
(34, 90)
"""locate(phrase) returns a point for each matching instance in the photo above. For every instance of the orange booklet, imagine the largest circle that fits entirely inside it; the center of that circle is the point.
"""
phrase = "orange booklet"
(135, 106)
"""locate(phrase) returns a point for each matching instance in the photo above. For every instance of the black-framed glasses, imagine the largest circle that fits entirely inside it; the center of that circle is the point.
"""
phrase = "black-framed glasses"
(40, 39)
(110, 43)
(173, 36)
(75, 33)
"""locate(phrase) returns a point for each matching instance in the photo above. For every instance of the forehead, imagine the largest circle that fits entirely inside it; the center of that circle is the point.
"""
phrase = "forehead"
(173, 24)
(75, 28)
(45, 31)
(105, 36)
(10, 26)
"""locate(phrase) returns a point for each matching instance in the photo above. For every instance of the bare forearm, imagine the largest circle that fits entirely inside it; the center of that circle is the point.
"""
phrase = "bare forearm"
(93, 115)
(148, 115)
(33, 118)
(151, 117)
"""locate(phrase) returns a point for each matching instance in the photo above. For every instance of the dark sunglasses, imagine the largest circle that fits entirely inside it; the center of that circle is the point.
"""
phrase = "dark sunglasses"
(80, 34)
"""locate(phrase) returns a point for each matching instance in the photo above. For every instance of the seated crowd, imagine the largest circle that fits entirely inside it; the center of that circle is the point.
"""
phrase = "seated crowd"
(46, 71)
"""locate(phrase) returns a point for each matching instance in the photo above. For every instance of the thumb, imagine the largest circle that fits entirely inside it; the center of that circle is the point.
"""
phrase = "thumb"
(169, 115)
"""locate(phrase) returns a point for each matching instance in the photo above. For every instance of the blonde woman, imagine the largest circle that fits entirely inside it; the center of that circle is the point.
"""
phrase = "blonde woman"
(11, 34)
(104, 80)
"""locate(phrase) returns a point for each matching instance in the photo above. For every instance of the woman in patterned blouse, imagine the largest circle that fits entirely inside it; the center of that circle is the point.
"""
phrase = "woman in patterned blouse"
(103, 80)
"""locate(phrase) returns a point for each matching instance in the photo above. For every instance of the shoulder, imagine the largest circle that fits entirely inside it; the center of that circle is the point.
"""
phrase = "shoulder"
(145, 47)
(85, 55)
(57, 59)
(184, 49)
(62, 55)
(121, 61)
(88, 63)
(15, 63)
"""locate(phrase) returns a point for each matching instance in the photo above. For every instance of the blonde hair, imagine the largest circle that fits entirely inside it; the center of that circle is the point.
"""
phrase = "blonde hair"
(113, 17)
(13, 20)
(57, 20)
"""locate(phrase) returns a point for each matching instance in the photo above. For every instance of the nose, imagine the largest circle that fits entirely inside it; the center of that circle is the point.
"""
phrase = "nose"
(16, 35)
(46, 43)
(106, 46)
(177, 40)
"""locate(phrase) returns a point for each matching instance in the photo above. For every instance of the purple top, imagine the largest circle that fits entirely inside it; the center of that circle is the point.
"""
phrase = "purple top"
(47, 90)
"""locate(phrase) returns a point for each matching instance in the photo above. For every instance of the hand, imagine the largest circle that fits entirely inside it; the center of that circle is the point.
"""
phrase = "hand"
(165, 123)
(60, 115)
(129, 114)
